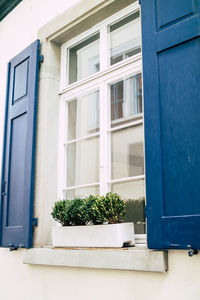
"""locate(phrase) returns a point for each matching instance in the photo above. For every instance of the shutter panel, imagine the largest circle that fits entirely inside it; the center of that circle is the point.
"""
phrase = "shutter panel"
(171, 79)
(19, 149)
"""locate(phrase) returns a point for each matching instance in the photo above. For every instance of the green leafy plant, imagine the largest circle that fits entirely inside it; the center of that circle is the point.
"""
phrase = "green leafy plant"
(105, 209)
(70, 212)
(94, 209)
(60, 212)
(77, 213)
(114, 208)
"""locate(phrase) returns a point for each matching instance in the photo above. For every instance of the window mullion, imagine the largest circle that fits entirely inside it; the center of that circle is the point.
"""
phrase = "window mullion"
(103, 139)
(86, 137)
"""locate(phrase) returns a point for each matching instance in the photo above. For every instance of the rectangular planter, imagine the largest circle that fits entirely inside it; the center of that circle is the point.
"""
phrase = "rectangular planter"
(109, 235)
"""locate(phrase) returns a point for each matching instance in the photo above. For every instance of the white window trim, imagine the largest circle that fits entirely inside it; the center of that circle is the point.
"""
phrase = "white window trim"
(100, 80)
(132, 65)
(104, 43)
(131, 68)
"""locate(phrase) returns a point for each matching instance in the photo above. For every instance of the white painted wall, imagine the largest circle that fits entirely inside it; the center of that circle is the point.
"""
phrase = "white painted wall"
(28, 282)
(18, 30)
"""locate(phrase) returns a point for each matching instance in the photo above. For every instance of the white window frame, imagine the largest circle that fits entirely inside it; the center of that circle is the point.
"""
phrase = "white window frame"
(100, 80)
(104, 46)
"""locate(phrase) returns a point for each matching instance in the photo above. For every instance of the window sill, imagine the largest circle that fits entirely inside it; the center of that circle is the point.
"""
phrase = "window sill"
(133, 259)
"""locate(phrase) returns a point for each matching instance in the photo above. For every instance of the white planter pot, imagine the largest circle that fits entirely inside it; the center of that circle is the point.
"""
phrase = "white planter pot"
(110, 235)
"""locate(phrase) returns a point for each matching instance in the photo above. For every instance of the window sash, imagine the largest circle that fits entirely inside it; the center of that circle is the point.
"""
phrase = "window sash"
(105, 127)
(107, 75)
(104, 42)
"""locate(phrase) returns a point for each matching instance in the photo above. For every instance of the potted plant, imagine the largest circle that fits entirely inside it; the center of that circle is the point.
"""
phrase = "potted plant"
(91, 222)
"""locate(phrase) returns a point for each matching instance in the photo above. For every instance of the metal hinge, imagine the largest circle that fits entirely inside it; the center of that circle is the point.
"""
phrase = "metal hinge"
(41, 58)
(191, 251)
(3, 188)
(35, 222)
(12, 247)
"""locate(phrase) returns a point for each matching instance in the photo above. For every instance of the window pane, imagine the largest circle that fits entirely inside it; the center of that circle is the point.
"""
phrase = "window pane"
(125, 38)
(84, 59)
(129, 190)
(125, 100)
(82, 192)
(83, 115)
(127, 158)
(83, 162)
(133, 193)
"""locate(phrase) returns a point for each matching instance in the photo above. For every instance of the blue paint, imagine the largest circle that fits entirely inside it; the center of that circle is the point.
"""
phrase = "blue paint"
(171, 11)
(16, 171)
(3, 181)
(171, 72)
(19, 149)
(180, 132)
(20, 86)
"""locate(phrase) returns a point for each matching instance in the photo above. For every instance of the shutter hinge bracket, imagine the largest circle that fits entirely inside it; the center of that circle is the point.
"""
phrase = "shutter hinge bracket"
(41, 58)
(35, 222)
(3, 188)
(191, 251)
(12, 247)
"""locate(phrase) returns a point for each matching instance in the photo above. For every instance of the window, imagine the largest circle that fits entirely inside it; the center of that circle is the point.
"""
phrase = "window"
(83, 59)
(124, 38)
(101, 143)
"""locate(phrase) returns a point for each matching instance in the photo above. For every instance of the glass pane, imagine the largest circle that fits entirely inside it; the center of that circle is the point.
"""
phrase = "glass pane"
(129, 190)
(127, 158)
(83, 115)
(125, 100)
(133, 193)
(84, 59)
(82, 192)
(125, 38)
(83, 162)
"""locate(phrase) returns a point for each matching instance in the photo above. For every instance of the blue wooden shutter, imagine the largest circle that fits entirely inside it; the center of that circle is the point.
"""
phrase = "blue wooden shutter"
(171, 79)
(19, 149)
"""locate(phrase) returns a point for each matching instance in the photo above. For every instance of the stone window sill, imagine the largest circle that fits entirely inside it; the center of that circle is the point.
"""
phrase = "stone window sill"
(133, 259)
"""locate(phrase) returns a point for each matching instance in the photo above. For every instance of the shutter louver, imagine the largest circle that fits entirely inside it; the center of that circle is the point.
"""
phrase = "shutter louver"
(19, 149)
(171, 79)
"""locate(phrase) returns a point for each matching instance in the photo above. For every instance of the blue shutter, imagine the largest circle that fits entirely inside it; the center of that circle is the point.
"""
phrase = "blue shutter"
(171, 79)
(19, 149)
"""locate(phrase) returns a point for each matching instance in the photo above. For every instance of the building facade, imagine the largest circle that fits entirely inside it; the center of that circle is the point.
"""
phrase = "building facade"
(89, 106)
